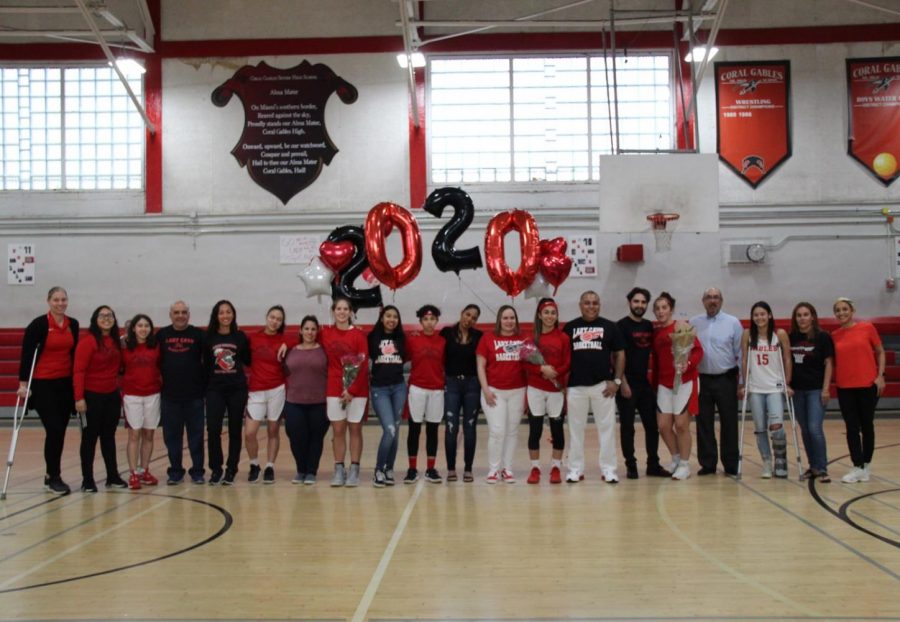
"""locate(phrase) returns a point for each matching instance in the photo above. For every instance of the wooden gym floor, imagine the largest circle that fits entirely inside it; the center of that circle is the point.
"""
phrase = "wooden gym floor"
(708, 548)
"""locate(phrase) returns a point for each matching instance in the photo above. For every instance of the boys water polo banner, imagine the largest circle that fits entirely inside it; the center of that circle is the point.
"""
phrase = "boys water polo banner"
(753, 131)
(873, 98)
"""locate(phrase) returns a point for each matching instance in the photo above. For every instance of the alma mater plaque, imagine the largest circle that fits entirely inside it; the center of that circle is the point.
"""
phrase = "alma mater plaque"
(284, 144)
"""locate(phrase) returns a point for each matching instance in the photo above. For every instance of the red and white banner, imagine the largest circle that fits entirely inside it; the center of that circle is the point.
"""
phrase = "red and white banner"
(873, 97)
(753, 131)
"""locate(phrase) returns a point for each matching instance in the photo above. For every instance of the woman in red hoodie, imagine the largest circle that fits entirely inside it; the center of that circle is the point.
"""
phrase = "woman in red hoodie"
(141, 385)
(97, 401)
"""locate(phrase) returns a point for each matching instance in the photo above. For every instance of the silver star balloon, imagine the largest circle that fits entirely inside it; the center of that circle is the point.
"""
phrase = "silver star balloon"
(317, 277)
(539, 288)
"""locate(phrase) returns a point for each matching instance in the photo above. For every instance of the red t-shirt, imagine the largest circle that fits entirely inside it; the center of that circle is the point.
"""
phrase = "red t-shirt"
(664, 360)
(96, 369)
(266, 371)
(338, 343)
(557, 350)
(854, 357)
(55, 361)
(426, 353)
(504, 369)
(142, 376)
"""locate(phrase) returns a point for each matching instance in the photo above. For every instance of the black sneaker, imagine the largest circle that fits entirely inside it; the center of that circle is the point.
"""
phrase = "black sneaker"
(431, 475)
(411, 476)
(631, 471)
(253, 477)
(269, 475)
(174, 479)
(228, 480)
(116, 482)
(658, 471)
(88, 485)
(215, 478)
(56, 486)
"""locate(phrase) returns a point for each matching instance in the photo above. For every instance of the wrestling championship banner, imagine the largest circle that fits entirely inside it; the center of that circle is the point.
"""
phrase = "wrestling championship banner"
(753, 121)
(873, 99)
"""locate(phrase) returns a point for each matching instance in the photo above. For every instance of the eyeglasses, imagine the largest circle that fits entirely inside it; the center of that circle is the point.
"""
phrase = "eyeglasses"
(106, 316)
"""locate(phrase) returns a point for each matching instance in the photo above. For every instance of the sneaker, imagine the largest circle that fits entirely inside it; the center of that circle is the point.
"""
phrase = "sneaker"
(340, 476)
(389, 477)
(198, 480)
(299, 478)
(379, 481)
(228, 480)
(269, 475)
(555, 476)
(147, 479)
(56, 486)
(310, 479)
(766, 468)
(865, 473)
(253, 476)
(88, 485)
(781, 473)
(134, 481)
(535, 476)
(174, 479)
(706, 471)
(856, 474)
(116, 482)
(507, 476)
(631, 471)
(573, 477)
(353, 477)
(215, 478)
(658, 471)
(610, 476)
(493, 477)
(412, 475)
(432, 476)
(671, 466)
(683, 471)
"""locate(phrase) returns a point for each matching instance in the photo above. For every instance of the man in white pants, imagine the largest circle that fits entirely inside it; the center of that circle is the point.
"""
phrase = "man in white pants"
(598, 363)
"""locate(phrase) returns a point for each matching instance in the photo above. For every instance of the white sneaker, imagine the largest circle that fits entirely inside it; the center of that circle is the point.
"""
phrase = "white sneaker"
(865, 476)
(573, 477)
(767, 468)
(676, 460)
(610, 476)
(682, 471)
(855, 475)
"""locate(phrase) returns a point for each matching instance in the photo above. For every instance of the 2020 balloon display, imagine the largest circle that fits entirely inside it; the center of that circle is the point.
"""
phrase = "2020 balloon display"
(343, 286)
(513, 283)
(381, 218)
(446, 256)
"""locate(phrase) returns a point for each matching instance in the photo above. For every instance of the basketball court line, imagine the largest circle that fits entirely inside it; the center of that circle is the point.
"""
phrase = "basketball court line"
(653, 619)
(72, 500)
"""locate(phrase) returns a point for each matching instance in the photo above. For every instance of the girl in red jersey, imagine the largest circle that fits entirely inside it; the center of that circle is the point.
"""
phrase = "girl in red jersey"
(141, 385)
(95, 380)
(267, 393)
(345, 407)
(49, 343)
(545, 389)
(859, 374)
(674, 405)
(502, 376)
(425, 351)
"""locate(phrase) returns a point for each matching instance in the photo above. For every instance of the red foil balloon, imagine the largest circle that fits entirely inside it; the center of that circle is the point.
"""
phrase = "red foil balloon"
(380, 219)
(336, 255)
(555, 264)
(513, 283)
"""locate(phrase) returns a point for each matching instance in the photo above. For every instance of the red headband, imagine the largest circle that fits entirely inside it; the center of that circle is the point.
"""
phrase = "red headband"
(544, 305)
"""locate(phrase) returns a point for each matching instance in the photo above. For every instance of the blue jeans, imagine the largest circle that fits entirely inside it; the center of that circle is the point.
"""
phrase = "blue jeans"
(768, 410)
(178, 415)
(461, 394)
(388, 403)
(810, 415)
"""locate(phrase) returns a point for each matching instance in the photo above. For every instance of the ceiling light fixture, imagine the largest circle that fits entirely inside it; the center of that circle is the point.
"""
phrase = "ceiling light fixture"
(699, 53)
(418, 60)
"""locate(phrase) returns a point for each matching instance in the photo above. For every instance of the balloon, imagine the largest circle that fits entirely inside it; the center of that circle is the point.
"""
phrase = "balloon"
(446, 257)
(555, 264)
(539, 288)
(343, 286)
(317, 278)
(513, 283)
(403, 273)
(336, 255)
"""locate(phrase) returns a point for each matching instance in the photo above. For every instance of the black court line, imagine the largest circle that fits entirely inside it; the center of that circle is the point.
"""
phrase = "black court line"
(31, 507)
(71, 500)
(842, 513)
(228, 522)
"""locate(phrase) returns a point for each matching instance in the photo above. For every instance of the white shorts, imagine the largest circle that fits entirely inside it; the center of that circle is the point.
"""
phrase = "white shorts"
(669, 402)
(141, 411)
(266, 404)
(542, 402)
(426, 404)
(353, 413)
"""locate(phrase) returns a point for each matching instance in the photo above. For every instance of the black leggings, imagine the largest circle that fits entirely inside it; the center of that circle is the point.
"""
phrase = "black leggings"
(536, 428)
(431, 438)
(306, 426)
(858, 411)
(218, 402)
(100, 421)
(54, 402)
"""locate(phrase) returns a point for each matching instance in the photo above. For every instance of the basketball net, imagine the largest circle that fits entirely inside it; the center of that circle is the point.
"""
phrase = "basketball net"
(662, 232)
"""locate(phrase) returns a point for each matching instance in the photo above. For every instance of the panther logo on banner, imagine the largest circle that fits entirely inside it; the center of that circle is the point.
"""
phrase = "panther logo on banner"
(284, 144)
(873, 98)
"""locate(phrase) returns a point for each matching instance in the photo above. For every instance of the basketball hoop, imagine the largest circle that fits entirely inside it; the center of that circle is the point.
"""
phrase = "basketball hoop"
(659, 223)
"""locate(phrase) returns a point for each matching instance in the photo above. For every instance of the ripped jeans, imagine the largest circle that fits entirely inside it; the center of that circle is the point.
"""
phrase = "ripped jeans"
(388, 403)
(768, 419)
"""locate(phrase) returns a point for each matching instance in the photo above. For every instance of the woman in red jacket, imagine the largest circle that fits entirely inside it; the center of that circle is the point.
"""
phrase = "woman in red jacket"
(141, 385)
(97, 400)
(545, 389)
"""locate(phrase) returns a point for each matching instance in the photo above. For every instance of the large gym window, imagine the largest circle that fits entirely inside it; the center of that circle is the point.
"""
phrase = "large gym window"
(69, 128)
(522, 119)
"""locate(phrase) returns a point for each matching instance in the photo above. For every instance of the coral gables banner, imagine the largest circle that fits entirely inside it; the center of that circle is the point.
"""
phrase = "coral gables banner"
(873, 101)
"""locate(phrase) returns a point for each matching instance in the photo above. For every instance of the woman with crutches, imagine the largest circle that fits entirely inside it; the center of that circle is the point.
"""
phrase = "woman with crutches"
(767, 361)
(49, 343)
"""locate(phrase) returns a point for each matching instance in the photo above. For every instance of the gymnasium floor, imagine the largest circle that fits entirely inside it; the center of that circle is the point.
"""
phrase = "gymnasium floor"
(708, 548)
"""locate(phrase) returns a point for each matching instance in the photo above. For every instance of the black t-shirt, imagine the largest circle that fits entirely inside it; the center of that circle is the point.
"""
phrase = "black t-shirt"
(387, 353)
(593, 344)
(226, 357)
(459, 358)
(638, 340)
(181, 363)
(809, 360)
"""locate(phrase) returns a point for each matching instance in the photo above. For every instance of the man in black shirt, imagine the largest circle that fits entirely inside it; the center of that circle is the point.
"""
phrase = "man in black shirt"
(636, 392)
(598, 362)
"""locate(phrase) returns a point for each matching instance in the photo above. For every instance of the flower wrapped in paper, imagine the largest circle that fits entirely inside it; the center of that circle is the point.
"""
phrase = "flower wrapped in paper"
(529, 353)
(682, 343)
(350, 366)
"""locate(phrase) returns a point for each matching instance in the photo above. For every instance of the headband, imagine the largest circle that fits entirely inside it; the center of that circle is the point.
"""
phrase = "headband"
(546, 304)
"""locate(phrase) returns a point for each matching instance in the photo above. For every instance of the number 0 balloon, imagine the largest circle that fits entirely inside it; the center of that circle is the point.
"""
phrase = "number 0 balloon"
(379, 219)
(513, 283)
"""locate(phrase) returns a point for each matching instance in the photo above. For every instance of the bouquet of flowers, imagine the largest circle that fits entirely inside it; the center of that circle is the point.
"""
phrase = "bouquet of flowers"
(682, 344)
(529, 353)
(350, 365)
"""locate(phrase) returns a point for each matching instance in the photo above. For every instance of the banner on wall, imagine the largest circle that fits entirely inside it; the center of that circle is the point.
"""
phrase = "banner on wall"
(873, 98)
(284, 144)
(753, 121)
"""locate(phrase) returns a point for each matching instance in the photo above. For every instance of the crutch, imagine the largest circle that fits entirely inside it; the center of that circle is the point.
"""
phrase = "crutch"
(790, 408)
(17, 424)
(743, 414)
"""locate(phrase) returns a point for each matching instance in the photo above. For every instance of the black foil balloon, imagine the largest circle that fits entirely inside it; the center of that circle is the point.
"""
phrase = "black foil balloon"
(446, 257)
(343, 285)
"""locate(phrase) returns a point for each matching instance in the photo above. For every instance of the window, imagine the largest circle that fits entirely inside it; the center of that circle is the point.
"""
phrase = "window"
(69, 128)
(520, 119)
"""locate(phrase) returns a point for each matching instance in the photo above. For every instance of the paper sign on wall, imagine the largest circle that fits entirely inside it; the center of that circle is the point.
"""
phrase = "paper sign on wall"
(298, 249)
(20, 269)
(582, 249)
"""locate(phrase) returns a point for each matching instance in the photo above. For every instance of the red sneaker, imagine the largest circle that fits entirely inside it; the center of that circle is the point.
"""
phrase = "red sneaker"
(148, 480)
(535, 476)
(134, 482)
(555, 476)
(493, 477)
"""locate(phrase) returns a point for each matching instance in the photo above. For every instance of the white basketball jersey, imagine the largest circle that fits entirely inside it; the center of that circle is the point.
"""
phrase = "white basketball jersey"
(765, 366)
